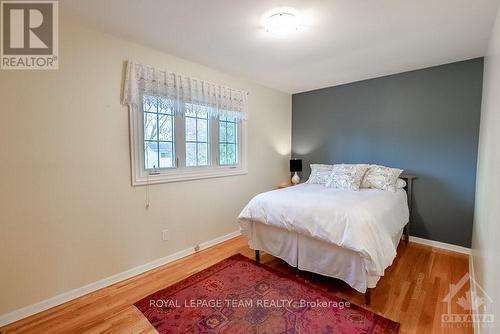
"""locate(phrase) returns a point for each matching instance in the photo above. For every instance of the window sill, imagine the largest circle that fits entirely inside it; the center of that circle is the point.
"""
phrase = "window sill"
(187, 176)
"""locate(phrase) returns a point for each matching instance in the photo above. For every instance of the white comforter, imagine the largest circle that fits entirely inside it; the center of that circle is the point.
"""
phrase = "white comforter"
(364, 221)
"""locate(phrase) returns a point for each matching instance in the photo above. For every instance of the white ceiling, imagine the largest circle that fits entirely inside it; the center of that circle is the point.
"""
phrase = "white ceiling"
(342, 40)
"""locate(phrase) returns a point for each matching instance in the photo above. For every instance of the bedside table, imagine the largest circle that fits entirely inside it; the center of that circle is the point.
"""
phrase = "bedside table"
(285, 185)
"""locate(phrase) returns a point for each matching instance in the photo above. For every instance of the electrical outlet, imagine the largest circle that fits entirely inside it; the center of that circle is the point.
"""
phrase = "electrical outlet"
(165, 235)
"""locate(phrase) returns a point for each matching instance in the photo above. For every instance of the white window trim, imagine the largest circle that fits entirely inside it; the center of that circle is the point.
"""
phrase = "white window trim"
(141, 176)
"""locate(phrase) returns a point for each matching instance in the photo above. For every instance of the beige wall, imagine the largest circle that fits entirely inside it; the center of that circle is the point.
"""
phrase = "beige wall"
(68, 214)
(486, 234)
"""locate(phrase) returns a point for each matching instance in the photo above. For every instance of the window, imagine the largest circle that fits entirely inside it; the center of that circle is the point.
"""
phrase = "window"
(183, 128)
(183, 146)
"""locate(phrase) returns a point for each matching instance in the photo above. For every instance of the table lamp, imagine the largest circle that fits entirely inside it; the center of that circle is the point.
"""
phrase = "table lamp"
(295, 166)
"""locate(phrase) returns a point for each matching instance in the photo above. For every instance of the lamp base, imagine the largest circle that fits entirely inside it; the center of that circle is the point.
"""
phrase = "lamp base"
(295, 179)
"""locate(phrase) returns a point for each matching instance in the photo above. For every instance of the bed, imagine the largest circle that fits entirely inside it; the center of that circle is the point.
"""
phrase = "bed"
(348, 235)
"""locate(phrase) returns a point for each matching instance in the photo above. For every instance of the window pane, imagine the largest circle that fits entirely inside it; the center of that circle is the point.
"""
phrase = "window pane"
(228, 141)
(190, 154)
(222, 154)
(190, 112)
(197, 135)
(150, 154)
(165, 106)
(222, 132)
(166, 155)
(202, 130)
(203, 112)
(231, 133)
(166, 127)
(158, 130)
(202, 154)
(149, 103)
(231, 154)
(190, 129)
(150, 127)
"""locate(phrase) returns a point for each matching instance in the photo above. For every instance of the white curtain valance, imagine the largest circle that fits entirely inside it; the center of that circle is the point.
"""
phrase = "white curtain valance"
(143, 80)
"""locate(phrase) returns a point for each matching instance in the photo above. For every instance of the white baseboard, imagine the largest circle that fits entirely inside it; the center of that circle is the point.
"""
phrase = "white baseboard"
(442, 245)
(218, 240)
(70, 295)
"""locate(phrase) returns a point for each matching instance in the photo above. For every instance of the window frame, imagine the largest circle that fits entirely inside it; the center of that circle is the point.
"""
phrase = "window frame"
(181, 172)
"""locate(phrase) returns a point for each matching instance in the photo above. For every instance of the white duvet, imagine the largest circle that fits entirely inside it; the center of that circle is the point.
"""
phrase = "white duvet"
(363, 221)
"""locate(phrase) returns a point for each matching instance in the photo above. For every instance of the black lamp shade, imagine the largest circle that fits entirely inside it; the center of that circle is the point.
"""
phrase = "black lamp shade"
(296, 165)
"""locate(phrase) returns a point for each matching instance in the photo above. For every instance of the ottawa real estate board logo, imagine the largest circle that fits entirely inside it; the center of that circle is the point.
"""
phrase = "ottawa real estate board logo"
(29, 35)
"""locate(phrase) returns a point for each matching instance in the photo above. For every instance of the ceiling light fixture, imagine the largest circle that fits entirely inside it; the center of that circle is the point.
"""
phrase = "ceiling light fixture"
(282, 21)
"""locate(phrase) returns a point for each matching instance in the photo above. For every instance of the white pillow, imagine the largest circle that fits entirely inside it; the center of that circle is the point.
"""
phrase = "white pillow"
(400, 184)
(381, 177)
(347, 177)
(319, 174)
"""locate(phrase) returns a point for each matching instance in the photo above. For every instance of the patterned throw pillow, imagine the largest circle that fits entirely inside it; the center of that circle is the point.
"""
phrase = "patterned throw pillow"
(381, 177)
(319, 174)
(347, 177)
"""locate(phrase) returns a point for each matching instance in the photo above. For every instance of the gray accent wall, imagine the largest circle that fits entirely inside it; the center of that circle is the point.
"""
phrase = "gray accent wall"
(425, 122)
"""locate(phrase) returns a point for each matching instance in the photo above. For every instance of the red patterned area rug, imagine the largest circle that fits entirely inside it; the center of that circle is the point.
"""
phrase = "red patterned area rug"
(238, 295)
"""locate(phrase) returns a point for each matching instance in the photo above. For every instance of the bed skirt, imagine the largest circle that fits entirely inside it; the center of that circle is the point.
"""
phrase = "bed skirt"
(313, 255)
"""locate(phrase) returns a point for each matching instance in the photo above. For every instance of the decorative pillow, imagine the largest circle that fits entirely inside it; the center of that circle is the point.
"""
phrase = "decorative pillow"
(381, 177)
(319, 174)
(347, 177)
(400, 184)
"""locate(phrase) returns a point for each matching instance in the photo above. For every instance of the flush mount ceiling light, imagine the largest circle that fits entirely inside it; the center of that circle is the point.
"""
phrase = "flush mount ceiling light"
(282, 21)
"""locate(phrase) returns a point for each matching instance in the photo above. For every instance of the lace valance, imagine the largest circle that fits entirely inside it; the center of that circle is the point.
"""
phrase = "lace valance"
(144, 80)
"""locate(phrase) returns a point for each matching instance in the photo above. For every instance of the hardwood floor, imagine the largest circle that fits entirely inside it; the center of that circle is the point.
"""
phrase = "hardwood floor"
(411, 293)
